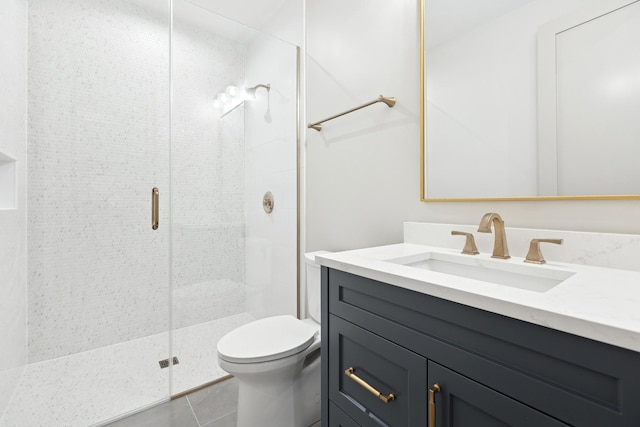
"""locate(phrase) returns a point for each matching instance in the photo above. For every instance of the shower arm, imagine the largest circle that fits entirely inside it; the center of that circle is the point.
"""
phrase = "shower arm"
(252, 90)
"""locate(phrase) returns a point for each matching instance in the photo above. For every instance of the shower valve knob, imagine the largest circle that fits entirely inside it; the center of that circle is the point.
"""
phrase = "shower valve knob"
(267, 202)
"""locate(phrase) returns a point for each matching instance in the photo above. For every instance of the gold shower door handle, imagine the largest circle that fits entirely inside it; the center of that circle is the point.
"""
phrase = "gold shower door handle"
(385, 398)
(155, 207)
(432, 404)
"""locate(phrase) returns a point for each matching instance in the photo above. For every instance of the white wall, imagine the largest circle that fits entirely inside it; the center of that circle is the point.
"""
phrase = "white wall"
(13, 222)
(363, 169)
(270, 138)
(271, 159)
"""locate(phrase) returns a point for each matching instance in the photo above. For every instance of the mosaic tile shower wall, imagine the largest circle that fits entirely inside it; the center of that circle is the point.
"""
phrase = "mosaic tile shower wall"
(99, 140)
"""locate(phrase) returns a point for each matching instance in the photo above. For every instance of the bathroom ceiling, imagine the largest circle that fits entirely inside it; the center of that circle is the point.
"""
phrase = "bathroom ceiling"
(446, 19)
(254, 14)
(201, 13)
(222, 16)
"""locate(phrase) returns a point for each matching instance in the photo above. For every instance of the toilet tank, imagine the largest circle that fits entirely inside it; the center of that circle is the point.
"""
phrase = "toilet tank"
(313, 284)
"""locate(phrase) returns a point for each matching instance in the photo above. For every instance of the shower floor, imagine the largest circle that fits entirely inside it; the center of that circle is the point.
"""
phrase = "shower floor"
(92, 387)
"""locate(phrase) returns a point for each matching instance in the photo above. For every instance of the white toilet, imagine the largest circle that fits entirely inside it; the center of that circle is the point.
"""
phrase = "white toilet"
(277, 363)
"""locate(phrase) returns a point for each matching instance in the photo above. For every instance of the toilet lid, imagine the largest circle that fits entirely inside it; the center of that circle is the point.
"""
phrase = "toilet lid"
(266, 339)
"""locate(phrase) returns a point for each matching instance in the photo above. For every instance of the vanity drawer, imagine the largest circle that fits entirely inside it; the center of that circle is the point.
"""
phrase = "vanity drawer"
(340, 419)
(579, 381)
(385, 367)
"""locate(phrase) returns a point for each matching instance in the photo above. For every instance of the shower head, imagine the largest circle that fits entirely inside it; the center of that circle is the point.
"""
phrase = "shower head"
(251, 91)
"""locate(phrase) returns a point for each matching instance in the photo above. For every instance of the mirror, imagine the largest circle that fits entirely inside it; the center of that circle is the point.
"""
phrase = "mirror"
(530, 99)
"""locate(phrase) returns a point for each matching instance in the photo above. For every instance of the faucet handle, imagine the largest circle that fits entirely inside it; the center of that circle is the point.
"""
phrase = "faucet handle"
(534, 255)
(470, 247)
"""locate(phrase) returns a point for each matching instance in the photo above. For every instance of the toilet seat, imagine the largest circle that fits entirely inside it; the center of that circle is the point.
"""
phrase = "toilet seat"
(270, 339)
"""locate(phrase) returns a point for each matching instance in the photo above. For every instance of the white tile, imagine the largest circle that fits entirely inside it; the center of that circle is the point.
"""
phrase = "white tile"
(101, 384)
(9, 379)
(90, 387)
(280, 299)
(281, 184)
(201, 302)
(196, 348)
(13, 214)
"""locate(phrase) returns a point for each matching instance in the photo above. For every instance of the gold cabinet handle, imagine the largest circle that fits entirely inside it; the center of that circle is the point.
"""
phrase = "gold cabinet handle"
(432, 404)
(155, 207)
(386, 399)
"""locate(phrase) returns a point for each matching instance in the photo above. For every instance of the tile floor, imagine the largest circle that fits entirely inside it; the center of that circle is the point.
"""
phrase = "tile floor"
(95, 386)
(214, 406)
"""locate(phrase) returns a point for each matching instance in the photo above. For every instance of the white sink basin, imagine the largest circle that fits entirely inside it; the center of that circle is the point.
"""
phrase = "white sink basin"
(500, 272)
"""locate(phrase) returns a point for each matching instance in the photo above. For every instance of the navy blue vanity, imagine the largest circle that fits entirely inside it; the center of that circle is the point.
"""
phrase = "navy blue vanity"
(396, 357)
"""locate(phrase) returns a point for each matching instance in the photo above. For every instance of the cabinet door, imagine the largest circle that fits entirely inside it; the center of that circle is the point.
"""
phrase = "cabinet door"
(374, 363)
(462, 402)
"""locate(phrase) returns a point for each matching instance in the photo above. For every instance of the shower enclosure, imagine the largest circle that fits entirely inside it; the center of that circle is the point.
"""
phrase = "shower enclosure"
(100, 103)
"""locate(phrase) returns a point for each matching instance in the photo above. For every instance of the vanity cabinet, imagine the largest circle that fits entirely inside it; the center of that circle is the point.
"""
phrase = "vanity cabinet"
(464, 402)
(491, 370)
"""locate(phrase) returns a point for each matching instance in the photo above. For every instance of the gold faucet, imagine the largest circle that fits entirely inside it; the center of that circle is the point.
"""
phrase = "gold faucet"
(500, 249)
(534, 255)
(470, 247)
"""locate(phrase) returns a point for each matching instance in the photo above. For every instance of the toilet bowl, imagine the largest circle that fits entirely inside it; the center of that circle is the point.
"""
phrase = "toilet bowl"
(277, 363)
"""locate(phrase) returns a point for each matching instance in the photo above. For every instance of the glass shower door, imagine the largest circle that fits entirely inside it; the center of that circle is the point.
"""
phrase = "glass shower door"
(98, 281)
(234, 138)
(121, 99)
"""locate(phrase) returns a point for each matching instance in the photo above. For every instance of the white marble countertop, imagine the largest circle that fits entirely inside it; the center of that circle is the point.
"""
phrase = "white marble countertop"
(598, 303)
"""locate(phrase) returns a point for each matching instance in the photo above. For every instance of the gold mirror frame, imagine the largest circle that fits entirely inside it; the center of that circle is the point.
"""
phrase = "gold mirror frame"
(423, 196)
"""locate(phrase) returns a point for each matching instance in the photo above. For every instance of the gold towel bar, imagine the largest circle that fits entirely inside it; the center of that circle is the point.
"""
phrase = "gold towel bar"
(390, 101)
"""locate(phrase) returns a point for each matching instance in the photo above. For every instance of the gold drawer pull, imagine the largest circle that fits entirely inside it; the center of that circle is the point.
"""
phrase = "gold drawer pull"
(432, 404)
(386, 399)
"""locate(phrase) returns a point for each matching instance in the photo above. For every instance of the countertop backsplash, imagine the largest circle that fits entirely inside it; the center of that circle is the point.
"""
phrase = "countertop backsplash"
(621, 251)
